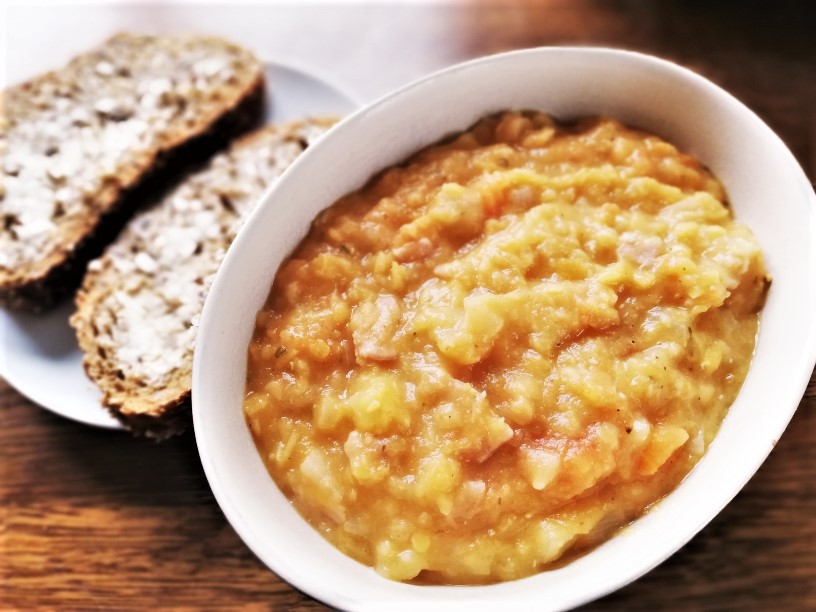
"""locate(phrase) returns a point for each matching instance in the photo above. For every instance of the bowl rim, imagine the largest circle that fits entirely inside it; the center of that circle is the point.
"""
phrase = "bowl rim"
(805, 363)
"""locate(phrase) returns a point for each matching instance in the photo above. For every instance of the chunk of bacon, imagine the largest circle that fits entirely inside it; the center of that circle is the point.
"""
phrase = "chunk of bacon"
(373, 326)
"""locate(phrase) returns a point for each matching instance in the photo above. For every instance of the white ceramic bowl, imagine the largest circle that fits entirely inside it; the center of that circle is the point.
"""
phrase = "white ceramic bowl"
(768, 191)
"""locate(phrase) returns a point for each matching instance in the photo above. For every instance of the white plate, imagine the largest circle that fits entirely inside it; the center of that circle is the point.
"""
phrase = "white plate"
(39, 355)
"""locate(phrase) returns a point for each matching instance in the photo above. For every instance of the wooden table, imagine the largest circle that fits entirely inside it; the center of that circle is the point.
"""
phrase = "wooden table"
(96, 519)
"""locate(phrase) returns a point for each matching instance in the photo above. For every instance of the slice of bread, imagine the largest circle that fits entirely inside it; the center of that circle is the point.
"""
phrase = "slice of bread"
(138, 307)
(80, 147)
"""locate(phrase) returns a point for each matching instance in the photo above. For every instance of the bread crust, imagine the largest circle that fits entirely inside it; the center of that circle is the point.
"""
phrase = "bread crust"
(41, 285)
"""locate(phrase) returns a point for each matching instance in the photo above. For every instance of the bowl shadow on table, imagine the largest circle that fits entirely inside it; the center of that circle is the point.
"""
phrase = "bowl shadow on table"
(97, 517)
(69, 459)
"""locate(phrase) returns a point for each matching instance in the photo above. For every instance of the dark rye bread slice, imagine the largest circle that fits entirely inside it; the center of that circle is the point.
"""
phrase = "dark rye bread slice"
(80, 148)
(138, 307)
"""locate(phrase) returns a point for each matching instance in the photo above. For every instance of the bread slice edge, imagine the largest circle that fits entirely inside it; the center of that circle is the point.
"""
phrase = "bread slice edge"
(120, 200)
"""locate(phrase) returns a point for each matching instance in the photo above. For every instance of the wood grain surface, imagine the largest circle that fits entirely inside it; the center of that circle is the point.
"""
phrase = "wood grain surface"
(95, 519)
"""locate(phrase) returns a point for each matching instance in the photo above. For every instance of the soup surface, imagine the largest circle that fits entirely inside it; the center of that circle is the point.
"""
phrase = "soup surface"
(504, 349)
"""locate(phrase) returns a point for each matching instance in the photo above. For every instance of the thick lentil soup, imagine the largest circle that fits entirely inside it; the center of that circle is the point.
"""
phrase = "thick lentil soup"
(504, 349)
